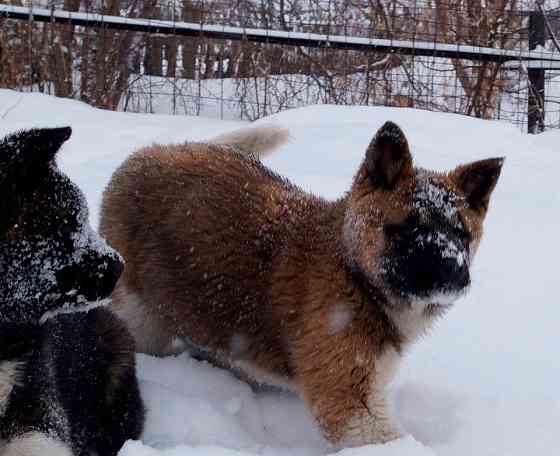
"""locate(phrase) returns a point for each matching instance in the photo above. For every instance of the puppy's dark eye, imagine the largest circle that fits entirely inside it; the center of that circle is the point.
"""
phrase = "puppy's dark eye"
(16, 229)
(394, 231)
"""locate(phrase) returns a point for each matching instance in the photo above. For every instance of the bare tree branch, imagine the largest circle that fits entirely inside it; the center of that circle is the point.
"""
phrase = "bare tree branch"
(548, 26)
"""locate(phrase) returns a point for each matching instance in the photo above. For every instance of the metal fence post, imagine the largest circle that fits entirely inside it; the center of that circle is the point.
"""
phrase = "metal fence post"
(535, 106)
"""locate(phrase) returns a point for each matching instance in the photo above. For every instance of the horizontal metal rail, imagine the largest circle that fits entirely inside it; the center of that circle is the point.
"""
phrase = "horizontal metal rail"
(289, 38)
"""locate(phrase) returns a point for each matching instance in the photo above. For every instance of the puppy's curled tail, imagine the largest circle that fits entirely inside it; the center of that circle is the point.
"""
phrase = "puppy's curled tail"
(259, 141)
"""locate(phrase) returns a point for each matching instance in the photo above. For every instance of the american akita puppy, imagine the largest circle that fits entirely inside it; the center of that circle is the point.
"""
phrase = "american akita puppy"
(284, 287)
(67, 378)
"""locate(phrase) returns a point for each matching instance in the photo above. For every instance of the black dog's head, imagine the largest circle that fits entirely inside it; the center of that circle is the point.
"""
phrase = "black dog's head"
(50, 258)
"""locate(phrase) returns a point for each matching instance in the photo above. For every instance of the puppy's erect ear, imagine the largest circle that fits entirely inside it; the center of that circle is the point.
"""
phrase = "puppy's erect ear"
(26, 153)
(477, 180)
(388, 156)
(24, 161)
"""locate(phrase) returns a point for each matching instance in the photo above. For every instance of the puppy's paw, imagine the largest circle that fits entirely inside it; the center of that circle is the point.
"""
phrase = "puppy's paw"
(372, 432)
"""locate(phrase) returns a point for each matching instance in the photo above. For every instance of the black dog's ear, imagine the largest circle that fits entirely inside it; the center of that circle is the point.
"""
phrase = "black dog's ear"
(477, 180)
(23, 152)
(24, 155)
(388, 156)
(24, 161)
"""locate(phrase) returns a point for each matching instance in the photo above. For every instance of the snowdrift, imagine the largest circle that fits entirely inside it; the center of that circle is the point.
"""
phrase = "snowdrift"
(483, 383)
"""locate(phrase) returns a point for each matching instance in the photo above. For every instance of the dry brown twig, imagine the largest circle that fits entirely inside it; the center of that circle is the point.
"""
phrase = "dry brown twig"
(548, 26)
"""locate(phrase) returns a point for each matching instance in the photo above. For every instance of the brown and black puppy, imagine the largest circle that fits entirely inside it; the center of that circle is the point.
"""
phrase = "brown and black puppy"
(227, 258)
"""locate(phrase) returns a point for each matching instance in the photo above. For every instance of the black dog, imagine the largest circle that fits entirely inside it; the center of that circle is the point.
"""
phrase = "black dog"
(67, 368)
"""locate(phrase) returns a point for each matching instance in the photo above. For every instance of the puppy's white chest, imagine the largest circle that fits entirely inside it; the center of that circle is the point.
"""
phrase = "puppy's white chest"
(385, 369)
(8, 379)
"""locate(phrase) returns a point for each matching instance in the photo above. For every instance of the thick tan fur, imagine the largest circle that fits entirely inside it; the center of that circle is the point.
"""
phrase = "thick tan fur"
(260, 140)
(233, 261)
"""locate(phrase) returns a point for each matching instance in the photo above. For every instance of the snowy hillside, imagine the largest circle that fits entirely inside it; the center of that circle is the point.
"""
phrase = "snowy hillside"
(484, 383)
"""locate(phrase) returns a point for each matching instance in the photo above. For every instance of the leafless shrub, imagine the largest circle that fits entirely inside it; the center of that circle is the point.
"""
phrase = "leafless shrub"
(130, 70)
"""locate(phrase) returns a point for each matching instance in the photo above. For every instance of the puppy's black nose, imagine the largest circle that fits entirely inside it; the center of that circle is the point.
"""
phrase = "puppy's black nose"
(453, 275)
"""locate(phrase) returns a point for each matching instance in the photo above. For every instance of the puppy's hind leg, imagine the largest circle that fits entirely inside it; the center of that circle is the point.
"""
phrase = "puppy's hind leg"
(35, 444)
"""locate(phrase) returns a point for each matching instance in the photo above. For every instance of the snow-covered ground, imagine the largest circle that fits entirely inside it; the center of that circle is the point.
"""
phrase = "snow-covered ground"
(485, 382)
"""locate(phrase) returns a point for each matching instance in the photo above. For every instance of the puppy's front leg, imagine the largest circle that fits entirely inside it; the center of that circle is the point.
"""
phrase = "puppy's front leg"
(371, 424)
(346, 392)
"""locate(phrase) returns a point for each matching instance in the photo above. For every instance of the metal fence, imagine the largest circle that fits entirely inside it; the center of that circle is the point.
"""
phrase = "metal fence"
(492, 59)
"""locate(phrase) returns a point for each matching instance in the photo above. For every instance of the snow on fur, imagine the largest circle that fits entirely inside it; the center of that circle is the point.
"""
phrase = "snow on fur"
(483, 382)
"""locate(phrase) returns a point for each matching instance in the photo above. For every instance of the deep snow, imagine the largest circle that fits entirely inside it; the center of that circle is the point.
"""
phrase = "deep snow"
(484, 382)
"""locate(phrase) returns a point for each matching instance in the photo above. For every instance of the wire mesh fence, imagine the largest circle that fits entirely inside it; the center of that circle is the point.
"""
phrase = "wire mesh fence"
(167, 72)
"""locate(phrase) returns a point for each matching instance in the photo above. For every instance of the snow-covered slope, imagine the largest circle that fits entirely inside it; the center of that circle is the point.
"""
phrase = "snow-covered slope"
(485, 382)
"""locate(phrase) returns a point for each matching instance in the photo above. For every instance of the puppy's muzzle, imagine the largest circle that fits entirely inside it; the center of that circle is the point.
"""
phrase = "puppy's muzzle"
(423, 262)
